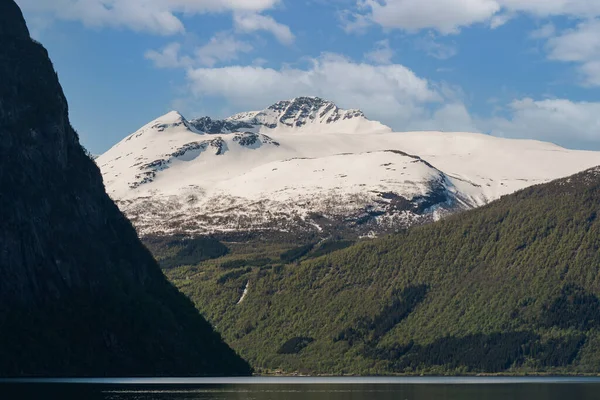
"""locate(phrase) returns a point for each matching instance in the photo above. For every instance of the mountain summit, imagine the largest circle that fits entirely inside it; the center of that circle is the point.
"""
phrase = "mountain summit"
(300, 114)
(305, 166)
(79, 294)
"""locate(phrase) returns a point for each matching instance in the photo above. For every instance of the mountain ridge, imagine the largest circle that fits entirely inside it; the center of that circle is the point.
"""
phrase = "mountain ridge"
(290, 115)
(287, 170)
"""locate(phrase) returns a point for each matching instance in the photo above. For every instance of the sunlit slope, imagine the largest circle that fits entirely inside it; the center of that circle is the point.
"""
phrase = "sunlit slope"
(306, 165)
(509, 287)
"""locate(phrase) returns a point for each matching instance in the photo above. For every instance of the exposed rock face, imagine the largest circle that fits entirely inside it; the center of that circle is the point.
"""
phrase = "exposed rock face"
(209, 125)
(295, 115)
(79, 294)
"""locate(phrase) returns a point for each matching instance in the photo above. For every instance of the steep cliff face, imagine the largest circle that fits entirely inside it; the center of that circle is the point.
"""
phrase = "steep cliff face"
(79, 294)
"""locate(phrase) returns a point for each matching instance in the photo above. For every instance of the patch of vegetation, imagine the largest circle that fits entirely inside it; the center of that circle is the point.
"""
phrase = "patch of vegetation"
(371, 330)
(296, 253)
(252, 262)
(494, 352)
(177, 251)
(295, 345)
(233, 264)
(329, 247)
(575, 308)
(233, 275)
(259, 262)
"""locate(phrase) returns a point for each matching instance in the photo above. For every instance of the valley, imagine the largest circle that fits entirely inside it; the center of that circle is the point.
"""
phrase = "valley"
(318, 248)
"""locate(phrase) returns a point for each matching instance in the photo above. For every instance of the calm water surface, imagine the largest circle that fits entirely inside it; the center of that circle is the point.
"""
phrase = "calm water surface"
(306, 388)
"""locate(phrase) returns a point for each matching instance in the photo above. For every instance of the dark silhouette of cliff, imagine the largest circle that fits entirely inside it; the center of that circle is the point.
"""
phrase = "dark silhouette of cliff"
(79, 294)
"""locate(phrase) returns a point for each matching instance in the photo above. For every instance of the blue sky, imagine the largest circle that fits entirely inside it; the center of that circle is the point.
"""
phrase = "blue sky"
(511, 68)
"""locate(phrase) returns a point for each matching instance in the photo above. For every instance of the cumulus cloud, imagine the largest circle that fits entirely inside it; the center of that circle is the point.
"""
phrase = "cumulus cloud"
(500, 19)
(381, 54)
(591, 71)
(396, 96)
(446, 16)
(548, 8)
(153, 16)
(581, 45)
(353, 22)
(253, 22)
(169, 57)
(436, 49)
(452, 116)
(449, 16)
(543, 32)
(222, 47)
(557, 120)
(391, 93)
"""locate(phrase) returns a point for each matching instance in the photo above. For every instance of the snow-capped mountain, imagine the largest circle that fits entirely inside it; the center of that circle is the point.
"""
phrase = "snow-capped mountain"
(306, 165)
(299, 114)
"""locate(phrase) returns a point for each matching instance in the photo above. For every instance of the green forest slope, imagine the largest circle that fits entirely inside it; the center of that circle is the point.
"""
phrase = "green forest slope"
(509, 287)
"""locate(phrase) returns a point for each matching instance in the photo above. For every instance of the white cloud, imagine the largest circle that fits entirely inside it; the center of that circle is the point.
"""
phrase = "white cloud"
(543, 32)
(153, 16)
(222, 47)
(354, 22)
(581, 45)
(449, 16)
(446, 16)
(591, 71)
(259, 62)
(548, 8)
(395, 95)
(435, 49)
(381, 54)
(169, 57)
(558, 120)
(450, 117)
(391, 93)
(500, 19)
(255, 22)
(398, 97)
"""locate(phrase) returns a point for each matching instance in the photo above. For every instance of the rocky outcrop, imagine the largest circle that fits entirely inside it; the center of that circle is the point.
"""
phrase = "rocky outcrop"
(301, 113)
(79, 294)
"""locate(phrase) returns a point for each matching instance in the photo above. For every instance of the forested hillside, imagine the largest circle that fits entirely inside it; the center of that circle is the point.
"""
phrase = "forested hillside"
(510, 287)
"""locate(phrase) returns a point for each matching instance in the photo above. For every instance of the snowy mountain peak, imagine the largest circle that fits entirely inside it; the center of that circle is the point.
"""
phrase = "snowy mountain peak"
(304, 110)
(301, 114)
(171, 122)
(171, 116)
(172, 119)
(276, 170)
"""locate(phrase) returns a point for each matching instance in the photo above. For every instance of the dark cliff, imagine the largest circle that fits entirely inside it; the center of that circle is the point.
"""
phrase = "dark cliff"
(79, 294)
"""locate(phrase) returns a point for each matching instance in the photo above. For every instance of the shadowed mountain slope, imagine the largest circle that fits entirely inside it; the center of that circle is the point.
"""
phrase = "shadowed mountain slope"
(79, 294)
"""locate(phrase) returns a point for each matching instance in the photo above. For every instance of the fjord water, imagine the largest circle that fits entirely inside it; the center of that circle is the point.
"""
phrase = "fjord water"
(428, 388)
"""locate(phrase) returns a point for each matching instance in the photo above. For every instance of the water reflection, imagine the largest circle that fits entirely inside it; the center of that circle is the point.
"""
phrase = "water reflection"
(315, 389)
